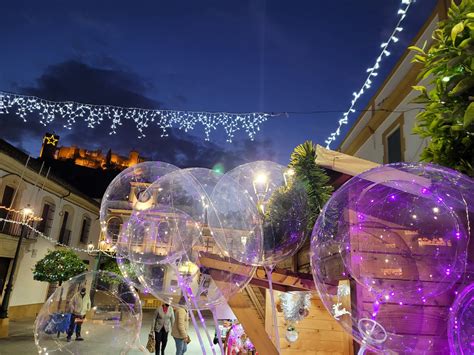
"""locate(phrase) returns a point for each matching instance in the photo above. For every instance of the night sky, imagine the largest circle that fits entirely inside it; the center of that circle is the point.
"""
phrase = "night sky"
(209, 55)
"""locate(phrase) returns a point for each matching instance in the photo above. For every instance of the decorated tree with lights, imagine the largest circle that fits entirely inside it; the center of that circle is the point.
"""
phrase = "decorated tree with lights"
(58, 266)
(448, 119)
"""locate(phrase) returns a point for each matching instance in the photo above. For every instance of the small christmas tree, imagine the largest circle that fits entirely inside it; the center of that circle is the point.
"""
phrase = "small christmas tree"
(58, 266)
(313, 177)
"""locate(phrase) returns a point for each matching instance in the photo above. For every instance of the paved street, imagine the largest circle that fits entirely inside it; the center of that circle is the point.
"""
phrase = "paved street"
(21, 340)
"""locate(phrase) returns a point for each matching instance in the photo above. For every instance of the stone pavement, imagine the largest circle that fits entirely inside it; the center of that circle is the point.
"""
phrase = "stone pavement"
(21, 340)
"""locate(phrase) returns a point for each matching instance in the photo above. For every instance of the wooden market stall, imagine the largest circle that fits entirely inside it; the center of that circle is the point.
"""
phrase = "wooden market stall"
(319, 332)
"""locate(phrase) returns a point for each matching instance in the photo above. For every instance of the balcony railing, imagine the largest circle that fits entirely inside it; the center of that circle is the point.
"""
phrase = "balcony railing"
(15, 230)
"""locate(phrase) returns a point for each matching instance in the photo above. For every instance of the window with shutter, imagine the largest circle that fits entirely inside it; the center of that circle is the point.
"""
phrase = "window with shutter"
(86, 224)
(47, 216)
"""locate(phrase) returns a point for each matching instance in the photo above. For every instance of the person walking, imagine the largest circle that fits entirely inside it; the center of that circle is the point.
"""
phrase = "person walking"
(161, 325)
(80, 305)
(180, 328)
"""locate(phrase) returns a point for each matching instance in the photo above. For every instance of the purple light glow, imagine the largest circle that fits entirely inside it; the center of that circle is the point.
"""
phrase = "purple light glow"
(396, 256)
(461, 324)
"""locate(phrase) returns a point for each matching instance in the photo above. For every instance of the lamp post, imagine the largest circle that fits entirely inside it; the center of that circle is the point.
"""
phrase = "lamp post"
(26, 213)
(260, 187)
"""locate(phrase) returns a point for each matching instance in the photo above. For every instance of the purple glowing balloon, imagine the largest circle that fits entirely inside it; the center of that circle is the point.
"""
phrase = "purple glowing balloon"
(461, 323)
(388, 251)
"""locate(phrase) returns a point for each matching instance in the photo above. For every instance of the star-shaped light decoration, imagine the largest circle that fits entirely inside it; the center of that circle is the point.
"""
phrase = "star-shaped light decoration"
(50, 140)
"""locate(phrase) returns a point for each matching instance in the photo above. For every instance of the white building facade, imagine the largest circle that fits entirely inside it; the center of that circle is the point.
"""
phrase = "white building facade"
(384, 132)
(67, 216)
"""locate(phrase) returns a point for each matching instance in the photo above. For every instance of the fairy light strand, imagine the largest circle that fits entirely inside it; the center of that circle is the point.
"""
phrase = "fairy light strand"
(56, 242)
(231, 122)
(29, 217)
(372, 71)
(93, 115)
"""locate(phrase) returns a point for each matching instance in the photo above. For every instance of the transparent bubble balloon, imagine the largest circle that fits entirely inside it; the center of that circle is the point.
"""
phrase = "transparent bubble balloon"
(387, 252)
(181, 192)
(159, 235)
(261, 213)
(129, 272)
(111, 312)
(129, 191)
(238, 342)
(168, 244)
(461, 322)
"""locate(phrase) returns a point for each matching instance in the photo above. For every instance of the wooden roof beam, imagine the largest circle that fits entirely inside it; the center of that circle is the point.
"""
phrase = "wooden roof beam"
(282, 279)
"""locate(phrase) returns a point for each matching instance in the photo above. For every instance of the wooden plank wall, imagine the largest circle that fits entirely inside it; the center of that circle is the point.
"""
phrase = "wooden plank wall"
(319, 333)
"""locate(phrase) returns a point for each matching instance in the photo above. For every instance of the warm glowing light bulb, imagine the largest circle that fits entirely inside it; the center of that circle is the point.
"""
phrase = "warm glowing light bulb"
(27, 211)
(261, 179)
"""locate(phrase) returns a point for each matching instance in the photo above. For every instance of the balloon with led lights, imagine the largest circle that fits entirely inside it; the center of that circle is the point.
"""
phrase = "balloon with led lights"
(261, 213)
(175, 219)
(387, 252)
(129, 191)
(461, 321)
(129, 272)
(238, 342)
(113, 320)
(167, 242)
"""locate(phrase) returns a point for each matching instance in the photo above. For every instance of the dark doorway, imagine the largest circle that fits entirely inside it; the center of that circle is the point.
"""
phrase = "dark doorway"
(4, 265)
(7, 200)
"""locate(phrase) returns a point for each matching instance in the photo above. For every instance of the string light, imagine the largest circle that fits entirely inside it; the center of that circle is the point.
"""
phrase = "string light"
(372, 71)
(94, 115)
(29, 216)
(231, 122)
(89, 250)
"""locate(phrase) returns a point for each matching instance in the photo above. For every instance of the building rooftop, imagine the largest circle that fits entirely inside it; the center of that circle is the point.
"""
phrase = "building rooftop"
(87, 185)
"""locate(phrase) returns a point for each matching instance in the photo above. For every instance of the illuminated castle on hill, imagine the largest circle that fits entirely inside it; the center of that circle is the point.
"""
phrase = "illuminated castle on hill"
(88, 158)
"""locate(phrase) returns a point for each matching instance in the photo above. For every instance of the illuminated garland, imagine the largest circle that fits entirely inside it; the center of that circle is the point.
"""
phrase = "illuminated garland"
(54, 241)
(372, 71)
(28, 217)
(94, 115)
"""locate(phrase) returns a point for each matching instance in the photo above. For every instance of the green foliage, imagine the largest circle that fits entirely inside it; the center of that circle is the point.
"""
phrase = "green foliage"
(287, 208)
(302, 198)
(111, 265)
(58, 266)
(314, 179)
(449, 116)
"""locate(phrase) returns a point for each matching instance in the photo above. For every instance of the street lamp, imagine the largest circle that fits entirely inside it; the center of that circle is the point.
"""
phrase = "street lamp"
(25, 216)
(90, 248)
(260, 187)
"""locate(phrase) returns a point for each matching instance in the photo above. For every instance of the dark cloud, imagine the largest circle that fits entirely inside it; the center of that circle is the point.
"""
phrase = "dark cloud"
(82, 82)
(85, 83)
